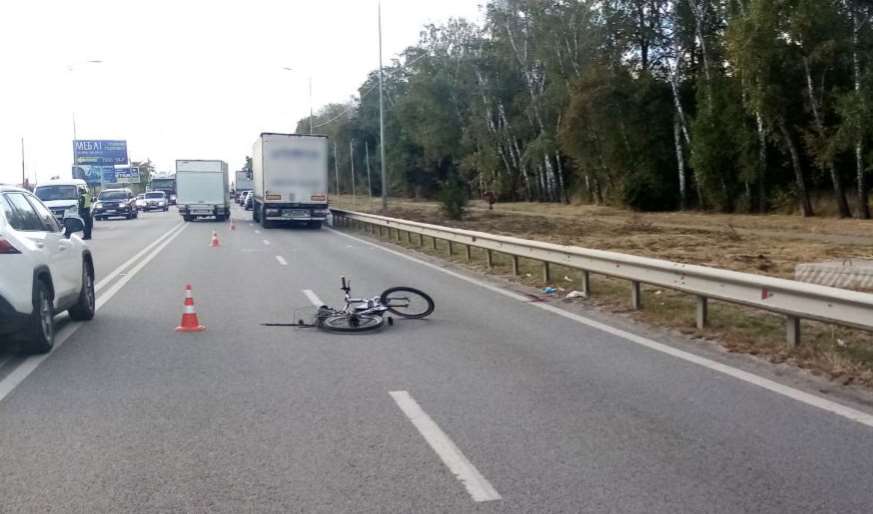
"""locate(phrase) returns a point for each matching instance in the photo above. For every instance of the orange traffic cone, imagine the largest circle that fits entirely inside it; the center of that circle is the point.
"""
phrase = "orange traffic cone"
(189, 323)
(214, 243)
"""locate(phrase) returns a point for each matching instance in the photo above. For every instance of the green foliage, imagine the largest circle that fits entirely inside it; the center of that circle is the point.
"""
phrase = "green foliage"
(453, 197)
(549, 97)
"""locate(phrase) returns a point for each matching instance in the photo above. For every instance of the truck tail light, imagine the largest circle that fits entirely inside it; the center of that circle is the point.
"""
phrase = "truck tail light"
(6, 247)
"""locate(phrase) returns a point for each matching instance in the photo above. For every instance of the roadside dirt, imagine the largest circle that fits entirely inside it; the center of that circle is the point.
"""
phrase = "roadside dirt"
(741, 243)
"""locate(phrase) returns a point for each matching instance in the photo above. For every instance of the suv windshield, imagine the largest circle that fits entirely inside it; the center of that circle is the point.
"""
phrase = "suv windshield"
(49, 193)
(112, 195)
(154, 195)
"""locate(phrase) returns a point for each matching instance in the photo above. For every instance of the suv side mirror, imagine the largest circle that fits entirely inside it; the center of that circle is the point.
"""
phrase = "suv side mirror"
(73, 224)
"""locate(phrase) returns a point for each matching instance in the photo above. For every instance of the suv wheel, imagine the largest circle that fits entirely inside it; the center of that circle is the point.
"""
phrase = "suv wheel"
(84, 309)
(41, 328)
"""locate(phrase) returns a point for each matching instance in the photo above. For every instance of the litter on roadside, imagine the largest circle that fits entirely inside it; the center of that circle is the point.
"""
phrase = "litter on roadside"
(575, 294)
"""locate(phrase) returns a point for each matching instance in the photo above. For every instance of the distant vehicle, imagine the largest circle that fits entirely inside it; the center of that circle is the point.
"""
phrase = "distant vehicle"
(240, 196)
(156, 200)
(45, 270)
(248, 200)
(290, 179)
(115, 203)
(242, 183)
(202, 189)
(61, 195)
(165, 184)
(140, 202)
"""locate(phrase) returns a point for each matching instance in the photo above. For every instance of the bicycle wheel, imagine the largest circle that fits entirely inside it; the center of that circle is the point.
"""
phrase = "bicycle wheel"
(351, 322)
(407, 302)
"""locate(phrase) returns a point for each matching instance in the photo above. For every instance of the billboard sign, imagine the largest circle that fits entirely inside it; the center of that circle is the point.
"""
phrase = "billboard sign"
(90, 174)
(127, 175)
(107, 174)
(101, 152)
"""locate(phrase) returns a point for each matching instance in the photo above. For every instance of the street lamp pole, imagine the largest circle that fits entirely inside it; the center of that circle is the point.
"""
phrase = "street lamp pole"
(310, 106)
(382, 119)
(71, 68)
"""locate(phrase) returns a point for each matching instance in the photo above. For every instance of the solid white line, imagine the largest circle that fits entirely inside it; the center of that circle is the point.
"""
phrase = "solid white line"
(750, 378)
(479, 488)
(8, 384)
(313, 298)
(108, 278)
(281, 260)
(266, 242)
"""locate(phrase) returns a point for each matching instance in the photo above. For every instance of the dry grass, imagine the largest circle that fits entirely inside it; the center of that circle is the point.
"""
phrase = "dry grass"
(843, 355)
(769, 245)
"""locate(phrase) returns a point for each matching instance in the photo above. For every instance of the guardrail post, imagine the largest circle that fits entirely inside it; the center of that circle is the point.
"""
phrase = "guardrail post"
(514, 264)
(636, 298)
(547, 272)
(489, 259)
(451, 249)
(702, 312)
(792, 332)
(586, 283)
(433, 244)
(409, 237)
(420, 240)
(467, 254)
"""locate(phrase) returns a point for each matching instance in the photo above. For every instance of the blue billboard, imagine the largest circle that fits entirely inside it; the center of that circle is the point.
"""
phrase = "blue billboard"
(95, 175)
(90, 174)
(98, 151)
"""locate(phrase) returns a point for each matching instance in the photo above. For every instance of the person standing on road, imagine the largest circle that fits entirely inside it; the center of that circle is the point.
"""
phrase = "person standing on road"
(85, 211)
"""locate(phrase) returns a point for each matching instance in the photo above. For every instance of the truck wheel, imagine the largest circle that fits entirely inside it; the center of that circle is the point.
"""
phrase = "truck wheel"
(188, 217)
(255, 211)
(315, 225)
(219, 217)
(264, 221)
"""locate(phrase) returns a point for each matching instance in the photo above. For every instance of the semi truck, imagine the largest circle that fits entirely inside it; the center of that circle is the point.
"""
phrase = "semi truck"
(290, 179)
(242, 183)
(202, 189)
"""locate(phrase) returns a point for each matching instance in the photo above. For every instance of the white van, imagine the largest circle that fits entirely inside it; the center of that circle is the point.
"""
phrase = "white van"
(61, 195)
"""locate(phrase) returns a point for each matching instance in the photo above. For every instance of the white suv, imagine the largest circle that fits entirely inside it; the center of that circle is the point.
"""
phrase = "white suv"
(44, 270)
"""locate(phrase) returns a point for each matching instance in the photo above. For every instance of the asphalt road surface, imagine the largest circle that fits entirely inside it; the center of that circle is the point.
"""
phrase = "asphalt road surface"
(491, 405)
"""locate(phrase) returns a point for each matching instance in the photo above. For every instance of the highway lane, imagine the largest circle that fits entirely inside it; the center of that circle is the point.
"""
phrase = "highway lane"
(555, 416)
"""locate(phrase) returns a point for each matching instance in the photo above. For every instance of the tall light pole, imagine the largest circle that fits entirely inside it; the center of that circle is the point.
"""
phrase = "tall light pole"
(382, 119)
(288, 68)
(71, 68)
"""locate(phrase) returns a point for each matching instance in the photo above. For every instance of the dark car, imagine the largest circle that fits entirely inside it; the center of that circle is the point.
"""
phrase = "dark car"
(115, 203)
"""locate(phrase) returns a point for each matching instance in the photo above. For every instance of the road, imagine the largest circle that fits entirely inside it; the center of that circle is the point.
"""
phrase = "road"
(491, 405)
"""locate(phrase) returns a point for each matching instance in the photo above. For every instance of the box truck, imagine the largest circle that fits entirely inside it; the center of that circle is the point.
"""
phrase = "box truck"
(243, 183)
(202, 189)
(290, 179)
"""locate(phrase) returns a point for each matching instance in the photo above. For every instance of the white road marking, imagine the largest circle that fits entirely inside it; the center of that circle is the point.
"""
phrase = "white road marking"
(257, 231)
(750, 378)
(281, 260)
(108, 278)
(479, 488)
(11, 381)
(313, 298)
(266, 242)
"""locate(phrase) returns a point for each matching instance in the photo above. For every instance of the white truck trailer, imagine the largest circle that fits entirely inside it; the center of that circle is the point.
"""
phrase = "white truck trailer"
(202, 189)
(290, 179)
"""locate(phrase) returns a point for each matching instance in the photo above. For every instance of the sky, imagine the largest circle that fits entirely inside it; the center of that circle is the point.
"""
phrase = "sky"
(184, 79)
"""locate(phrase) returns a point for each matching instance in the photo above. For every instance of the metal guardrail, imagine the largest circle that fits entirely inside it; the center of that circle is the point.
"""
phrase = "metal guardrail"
(795, 300)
